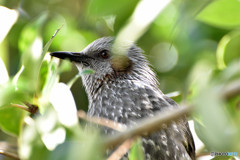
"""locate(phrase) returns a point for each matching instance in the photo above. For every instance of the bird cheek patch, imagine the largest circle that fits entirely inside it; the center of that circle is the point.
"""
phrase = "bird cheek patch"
(121, 63)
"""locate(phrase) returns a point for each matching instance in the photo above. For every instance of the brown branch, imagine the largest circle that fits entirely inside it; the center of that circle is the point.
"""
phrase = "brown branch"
(102, 121)
(8, 154)
(31, 108)
(121, 150)
(198, 155)
(20, 106)
(147, 126)
(231, 89)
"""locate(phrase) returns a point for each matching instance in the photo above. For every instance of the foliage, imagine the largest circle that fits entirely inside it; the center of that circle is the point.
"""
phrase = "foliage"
(193, 46)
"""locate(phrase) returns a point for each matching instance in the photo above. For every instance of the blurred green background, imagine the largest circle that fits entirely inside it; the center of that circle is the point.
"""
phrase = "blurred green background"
(175, 41)
(193, 46)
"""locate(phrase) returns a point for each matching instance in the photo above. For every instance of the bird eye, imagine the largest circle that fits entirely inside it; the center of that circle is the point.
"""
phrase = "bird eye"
(104, 54)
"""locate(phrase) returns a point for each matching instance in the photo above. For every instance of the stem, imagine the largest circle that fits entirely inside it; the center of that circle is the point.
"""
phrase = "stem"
(20, 106)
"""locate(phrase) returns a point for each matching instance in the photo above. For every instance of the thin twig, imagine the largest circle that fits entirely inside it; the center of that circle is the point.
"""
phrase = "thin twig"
(201, 151)
(147, 126)
(102, 121)
(20, 106)
(231, 89)
(198, 155)
(8, 154)
(31, 108)
(121, 150)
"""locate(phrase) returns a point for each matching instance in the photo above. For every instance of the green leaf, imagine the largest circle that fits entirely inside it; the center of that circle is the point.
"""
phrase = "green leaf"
(210, 110)
(102, 8)
(87, 71)
(9, 93)
(43, 74)
(223, 158)
(122, 9)
(11, 120)
(67, 115)
(211, 115)
(46, 47)
(136, 152)
(222, 13)
(52, 78)
(37, 140)
(228, 49)
(45, 70)
(45, 67)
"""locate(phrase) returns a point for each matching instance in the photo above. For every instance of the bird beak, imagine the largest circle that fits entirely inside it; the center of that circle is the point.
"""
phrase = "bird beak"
(72, 56)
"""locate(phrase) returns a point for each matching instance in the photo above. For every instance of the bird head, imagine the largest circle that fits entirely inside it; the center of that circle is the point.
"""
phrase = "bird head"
(98, 56)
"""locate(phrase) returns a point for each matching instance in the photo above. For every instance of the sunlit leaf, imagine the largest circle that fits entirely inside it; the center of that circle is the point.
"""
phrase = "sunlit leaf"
(140, 20)
(63, 102)
(220, 13)
(8, 18)
(31, 145)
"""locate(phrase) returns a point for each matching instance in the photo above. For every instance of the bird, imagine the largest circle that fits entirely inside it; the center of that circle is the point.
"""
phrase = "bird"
(126, 90)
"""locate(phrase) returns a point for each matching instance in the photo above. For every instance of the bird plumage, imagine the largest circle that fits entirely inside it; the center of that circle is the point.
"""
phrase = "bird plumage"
(129, 95)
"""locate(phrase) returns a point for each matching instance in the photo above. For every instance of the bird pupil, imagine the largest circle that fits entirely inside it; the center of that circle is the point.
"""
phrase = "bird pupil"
(104, 54)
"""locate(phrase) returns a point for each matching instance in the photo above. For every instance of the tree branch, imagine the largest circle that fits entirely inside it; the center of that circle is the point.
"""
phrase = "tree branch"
(121, 150)
(102, 121)
(8, 154)
(147, 126)
(231, 89)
